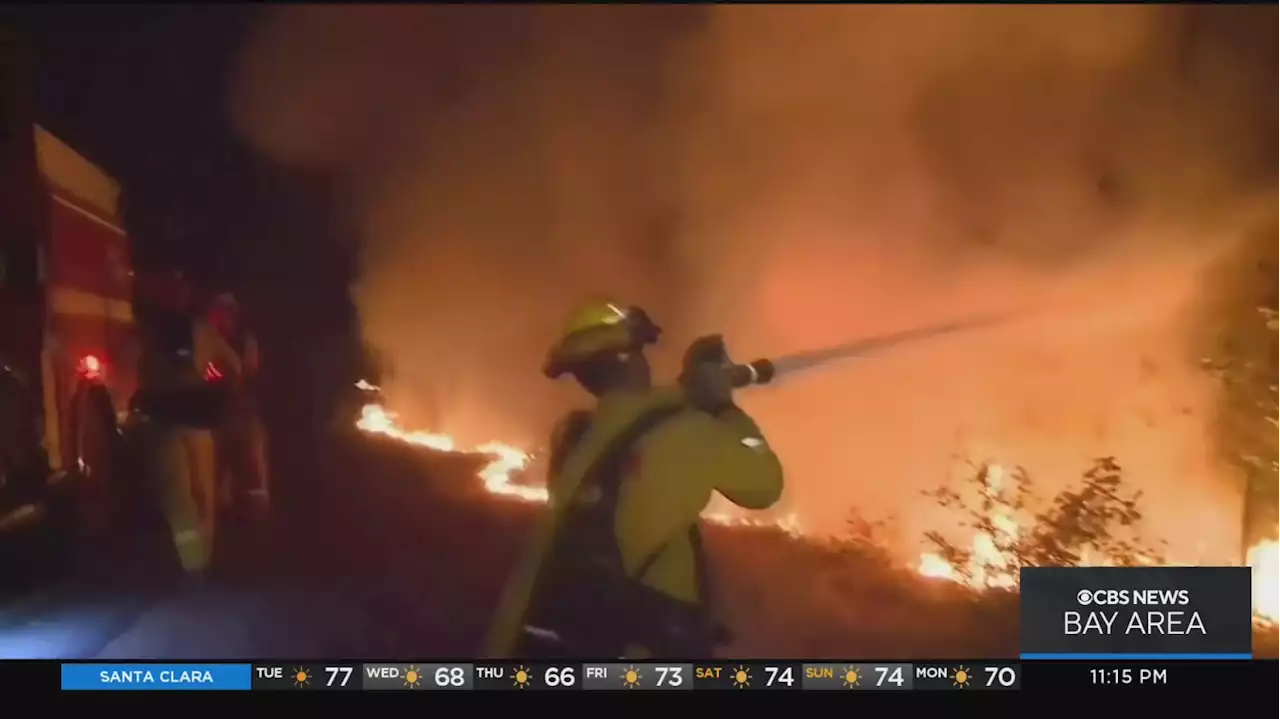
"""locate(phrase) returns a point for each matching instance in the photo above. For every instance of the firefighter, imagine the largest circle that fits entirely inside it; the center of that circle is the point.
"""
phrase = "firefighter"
(617, 567)
(241, 439)
(181, 408)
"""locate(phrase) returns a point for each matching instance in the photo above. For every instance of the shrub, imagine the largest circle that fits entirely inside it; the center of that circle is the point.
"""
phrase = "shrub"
(1093, 524)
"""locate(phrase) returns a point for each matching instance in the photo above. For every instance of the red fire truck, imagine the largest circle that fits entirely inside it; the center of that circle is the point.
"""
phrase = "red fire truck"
(68, 347)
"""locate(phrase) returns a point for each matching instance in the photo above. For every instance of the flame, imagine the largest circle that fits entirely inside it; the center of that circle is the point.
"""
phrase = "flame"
(992, 564)
(498, 476)
(1264, 558)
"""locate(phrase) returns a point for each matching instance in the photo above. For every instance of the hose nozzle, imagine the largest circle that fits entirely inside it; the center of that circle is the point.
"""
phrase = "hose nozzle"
(760, 371)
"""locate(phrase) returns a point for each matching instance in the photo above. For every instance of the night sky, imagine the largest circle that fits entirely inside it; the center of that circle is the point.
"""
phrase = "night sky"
(142, 93)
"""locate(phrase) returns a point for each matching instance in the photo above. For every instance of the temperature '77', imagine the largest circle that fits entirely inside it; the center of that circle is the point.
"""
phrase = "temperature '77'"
(334, 673)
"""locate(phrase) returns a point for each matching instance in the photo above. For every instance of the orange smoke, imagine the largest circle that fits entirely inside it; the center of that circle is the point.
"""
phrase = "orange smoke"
(792, 177)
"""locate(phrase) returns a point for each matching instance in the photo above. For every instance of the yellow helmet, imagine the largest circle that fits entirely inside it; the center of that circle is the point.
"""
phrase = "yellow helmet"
(599, 328)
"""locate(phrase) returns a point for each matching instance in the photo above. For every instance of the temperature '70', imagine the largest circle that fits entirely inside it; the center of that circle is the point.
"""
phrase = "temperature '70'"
(1000, 676)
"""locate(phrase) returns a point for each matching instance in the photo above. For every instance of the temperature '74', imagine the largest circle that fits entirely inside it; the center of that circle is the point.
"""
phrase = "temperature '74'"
(883, 674)
(775, 676)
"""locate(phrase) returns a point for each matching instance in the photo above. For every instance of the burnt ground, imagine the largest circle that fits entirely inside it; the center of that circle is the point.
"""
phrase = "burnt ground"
(395, 554)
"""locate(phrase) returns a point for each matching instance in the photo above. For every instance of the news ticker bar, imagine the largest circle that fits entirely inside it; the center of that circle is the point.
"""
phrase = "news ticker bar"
(828, 676)
(542, 676)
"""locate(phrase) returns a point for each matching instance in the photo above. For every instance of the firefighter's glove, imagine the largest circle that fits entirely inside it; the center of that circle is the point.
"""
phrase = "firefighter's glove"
(705, 382)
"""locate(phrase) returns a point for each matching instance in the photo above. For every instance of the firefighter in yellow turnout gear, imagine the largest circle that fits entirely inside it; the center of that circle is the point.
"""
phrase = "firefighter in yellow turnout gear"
(182, 409)
(617, 566)
(241, 438)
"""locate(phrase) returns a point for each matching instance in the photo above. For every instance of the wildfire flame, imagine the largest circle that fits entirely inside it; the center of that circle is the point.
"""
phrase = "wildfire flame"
(498, 476)
(992, 563)
(1264, 558)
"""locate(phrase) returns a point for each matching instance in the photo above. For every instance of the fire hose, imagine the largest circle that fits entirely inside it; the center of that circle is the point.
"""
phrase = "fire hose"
(765, 371)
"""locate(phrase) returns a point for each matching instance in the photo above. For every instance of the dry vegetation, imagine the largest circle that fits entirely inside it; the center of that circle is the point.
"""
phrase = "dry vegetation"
(848, 597)
(784, 597)
(842, 599)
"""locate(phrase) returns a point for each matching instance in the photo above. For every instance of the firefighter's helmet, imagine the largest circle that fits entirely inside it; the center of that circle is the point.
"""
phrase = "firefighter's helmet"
(596, 329)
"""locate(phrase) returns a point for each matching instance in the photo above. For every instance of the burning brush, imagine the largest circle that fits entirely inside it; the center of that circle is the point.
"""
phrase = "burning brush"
(993, 562)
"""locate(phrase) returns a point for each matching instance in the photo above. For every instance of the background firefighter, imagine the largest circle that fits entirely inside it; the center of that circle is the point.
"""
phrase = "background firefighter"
(617, 567)
(181, 409)
(241, 438)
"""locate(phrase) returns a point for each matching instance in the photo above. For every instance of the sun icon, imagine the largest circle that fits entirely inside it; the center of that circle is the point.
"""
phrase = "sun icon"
(961, 678)
(300, 677)
(520, 677)
(412, 677)
(851, 677)
(741, 678)
(630, 678)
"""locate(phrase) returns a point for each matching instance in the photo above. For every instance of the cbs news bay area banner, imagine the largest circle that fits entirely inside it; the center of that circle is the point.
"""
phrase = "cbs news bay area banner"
(1081, 627)
(1203, 613)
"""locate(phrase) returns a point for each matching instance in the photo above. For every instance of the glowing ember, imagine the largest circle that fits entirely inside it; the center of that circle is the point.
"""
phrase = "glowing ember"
(992, 564)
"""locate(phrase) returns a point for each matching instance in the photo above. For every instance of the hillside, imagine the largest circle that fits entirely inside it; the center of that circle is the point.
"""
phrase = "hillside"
(781, 596)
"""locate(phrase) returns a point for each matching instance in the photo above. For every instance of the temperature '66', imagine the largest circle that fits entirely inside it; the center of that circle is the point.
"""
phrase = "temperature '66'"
(560, 677)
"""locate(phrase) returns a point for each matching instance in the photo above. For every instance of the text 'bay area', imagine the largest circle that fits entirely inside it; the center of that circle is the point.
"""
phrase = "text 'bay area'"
(1152, 622)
